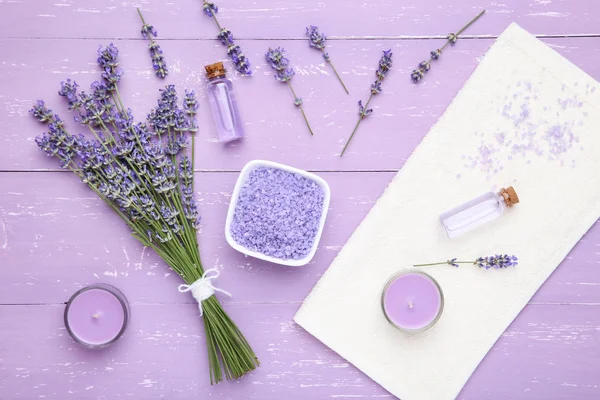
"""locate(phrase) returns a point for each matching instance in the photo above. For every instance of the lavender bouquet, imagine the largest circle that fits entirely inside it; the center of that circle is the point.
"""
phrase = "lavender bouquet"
(143, 174)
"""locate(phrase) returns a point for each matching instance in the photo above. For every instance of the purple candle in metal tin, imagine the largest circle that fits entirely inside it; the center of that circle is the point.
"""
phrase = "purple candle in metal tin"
(412, 301)
(96, 316)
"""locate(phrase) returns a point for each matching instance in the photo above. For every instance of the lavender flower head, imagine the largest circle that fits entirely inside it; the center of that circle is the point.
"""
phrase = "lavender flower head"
(497, 261)
(42, 113)
(234, 51)
(107, 59)
(280, 63)
(68, 90)
(315, 38)
(158, 60)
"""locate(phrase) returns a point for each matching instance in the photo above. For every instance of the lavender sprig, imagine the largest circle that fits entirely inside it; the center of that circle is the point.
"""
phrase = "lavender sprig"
(234, 51)
(284, 73)
(424, 66)
(158, 60)
(317, 40)
(497, 261)
(385, 64)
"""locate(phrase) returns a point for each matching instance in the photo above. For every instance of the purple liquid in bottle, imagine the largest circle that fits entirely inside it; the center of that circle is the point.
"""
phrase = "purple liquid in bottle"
(223, 104)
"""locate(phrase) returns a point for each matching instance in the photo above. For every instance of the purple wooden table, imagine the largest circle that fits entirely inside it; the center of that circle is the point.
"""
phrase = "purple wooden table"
(56, 236)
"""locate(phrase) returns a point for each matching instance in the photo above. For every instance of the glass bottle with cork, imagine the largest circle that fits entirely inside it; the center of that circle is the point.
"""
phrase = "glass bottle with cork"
(223, 104)
(478, 211)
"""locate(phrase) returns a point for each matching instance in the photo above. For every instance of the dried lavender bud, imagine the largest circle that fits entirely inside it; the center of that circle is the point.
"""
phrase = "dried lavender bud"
(240, 61)
(376, 87)
(68, 90)
(107, 59)
(452, 38)
(315, 38)
(148, 31)
(185, 170)
(435, 54)
(225, 37)
(416, 75)
(362, 112)
(424, 66)
(42, 113)
(210, 9)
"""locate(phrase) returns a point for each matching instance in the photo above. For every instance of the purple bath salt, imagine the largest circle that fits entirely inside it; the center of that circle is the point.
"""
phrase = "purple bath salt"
(278, 213)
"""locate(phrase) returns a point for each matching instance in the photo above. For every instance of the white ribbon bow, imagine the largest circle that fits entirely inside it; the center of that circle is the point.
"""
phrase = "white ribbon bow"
(203, 288)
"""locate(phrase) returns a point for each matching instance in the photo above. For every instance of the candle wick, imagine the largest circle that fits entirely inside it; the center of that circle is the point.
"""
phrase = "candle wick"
(410, 304)
(96, 316)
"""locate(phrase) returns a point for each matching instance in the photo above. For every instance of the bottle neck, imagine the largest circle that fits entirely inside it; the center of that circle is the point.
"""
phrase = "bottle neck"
(214, 78)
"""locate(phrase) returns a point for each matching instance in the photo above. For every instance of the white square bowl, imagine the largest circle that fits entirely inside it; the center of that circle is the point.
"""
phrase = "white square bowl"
(235, 197)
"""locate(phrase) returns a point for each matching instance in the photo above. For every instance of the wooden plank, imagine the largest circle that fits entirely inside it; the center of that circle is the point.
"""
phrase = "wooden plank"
(404, 112)
(55, 236)
(534, 359)
(287, 18)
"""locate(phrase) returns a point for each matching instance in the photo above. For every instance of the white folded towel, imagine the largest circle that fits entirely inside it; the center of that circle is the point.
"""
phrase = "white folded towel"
(527, 117)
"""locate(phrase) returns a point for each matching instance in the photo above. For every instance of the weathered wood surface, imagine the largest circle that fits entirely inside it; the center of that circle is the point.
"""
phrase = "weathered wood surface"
(549, 352)
(403, 112)
(255, 19)
(55, 236)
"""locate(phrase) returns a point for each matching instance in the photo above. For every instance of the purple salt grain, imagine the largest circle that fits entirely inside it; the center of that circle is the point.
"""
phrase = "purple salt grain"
(278, 213)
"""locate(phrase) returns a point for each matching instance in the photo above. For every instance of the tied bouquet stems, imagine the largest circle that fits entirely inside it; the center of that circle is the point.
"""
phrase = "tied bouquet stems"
(142, 173)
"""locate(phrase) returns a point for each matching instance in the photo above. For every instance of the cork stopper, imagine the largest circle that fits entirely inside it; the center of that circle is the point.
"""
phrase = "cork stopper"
(215, 70)
(509, 195)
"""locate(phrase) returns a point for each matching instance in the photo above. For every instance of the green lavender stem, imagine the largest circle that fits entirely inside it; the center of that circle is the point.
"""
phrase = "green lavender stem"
(301, 109)
(336, 74)
(360, 118)
(444, 263)
(471, 22)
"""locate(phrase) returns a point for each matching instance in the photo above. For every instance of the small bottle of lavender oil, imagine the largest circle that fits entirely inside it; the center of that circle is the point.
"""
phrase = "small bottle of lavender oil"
(478, 211)
(223, 105)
